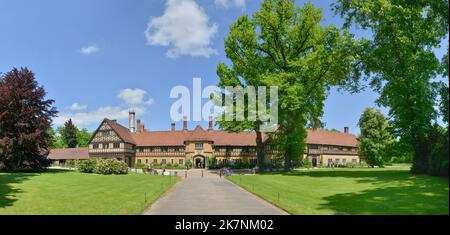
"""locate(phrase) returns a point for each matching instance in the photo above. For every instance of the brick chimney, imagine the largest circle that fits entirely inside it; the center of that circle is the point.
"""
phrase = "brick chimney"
(185, 127)
(173, 126)
(131, 121)
(346, 130)
(142, 129)
(210, 126)
(138, 125)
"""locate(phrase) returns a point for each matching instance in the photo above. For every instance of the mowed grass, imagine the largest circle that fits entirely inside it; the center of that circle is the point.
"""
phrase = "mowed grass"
(387, 191)
(71, 193)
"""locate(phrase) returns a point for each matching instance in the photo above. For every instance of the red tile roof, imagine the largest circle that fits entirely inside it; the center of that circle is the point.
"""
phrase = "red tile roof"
(122, 131)
(222, 138)
(69, 154)
(336, 138)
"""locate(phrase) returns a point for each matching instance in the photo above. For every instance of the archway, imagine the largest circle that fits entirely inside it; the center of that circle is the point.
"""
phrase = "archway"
(199, 162)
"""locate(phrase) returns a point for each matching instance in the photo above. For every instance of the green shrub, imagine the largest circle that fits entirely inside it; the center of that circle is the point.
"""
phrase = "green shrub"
(71, 163)
(87, 166)
(140, 166)
(439, 156)
(111, 167)
(188, 164)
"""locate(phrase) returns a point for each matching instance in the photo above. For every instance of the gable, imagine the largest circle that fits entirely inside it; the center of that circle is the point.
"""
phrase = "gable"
(105, 133)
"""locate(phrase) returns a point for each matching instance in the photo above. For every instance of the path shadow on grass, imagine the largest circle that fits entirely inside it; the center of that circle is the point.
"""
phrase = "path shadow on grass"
(396, 192)
(8, 193)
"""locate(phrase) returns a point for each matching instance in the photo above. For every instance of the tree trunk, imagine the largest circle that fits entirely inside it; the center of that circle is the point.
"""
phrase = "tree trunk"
(260, 151)
(287, 159)
(420, 151)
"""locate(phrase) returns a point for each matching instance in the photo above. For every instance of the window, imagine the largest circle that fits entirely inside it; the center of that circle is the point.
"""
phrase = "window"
(146, 161)
(164, 161)
(344, 160)
(105, 146)
(354, 161)
(155, 161)
(338, 160)
(116, 145)
(95, 146)
(171, 161)
(139, 161)
(181, 162)
(313, 146)
(199, 146)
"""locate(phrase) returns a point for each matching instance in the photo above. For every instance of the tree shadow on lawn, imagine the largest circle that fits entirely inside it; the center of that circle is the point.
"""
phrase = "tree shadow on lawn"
(390, 192)
(8, 193)
(403, 200)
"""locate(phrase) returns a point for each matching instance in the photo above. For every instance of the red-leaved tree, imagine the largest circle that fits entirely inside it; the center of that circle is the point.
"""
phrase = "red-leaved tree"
(25, 117)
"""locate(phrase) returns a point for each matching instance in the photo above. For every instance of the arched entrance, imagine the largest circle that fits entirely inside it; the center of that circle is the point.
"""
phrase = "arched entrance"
(199, 162)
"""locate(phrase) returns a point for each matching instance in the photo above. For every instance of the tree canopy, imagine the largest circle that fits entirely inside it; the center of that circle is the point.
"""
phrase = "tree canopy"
(401, 63)
(287, 47)
(375, 138)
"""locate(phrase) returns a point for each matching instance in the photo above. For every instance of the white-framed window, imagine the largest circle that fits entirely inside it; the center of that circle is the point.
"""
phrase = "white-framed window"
(199, 146)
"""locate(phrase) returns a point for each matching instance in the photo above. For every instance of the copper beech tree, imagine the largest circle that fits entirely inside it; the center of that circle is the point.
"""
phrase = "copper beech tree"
(25, 117)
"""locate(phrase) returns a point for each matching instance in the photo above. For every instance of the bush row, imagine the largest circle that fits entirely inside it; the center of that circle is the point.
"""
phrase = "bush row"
(103, 166)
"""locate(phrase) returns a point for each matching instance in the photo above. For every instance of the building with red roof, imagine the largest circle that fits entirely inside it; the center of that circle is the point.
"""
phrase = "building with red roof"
(135, 144)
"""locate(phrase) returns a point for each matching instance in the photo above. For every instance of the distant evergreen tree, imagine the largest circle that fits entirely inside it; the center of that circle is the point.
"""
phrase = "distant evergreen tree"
(25, 118)
(69, 134)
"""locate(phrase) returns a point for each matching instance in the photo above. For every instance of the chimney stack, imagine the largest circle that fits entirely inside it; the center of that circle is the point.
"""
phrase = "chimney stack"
(346, 130)
(185, 127)
(173, 126)
(138, 125)
(210, 128)
(131, 121)
(142, 128)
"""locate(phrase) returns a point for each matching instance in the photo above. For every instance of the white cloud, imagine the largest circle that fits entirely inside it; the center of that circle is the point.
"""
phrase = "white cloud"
(77, 107)
(228, 3)
(134, 97)
(89, 50)
(184, 28)
(83, 119)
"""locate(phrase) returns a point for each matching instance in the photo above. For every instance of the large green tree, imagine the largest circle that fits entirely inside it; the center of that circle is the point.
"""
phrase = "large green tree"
(401, 62)
(25, 117)
(286, 46)
(375, 138)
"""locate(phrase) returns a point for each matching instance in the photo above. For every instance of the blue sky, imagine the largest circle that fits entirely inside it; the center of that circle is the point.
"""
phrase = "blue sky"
(99, 58)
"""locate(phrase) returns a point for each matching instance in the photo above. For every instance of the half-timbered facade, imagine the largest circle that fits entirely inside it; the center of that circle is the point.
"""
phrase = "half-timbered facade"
(137, 145)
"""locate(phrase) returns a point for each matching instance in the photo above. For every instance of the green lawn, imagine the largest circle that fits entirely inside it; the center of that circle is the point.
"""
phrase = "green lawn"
(388, 191)
(66, 192)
